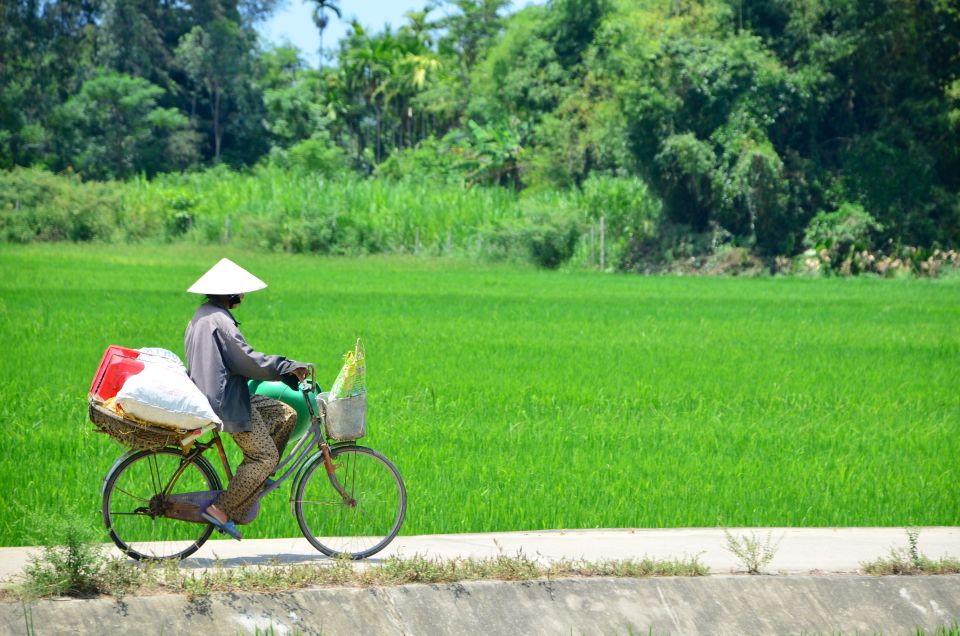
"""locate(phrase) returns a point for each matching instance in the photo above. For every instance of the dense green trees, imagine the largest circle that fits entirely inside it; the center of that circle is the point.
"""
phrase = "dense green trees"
(116, 129)
(751, 123)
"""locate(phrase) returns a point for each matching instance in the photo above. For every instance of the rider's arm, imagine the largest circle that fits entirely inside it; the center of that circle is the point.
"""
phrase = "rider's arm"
(242, 360)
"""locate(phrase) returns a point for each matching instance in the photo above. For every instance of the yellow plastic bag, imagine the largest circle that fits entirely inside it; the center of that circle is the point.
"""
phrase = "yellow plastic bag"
(352, 378)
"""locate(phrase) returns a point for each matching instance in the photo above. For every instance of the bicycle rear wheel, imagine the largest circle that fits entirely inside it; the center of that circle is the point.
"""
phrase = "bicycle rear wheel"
(364, 522)
(133, 501)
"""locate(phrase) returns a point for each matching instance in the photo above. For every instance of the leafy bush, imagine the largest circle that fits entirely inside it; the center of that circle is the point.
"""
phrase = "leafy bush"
(547, 239)
(752, 199)
(36, 205)
(430, 160)
(686, 166)
(317, 155)
(673, 247)
(631, 212)
(837, 236)
(552, 238)
(910, 561)
(318, 234)
(71, 562)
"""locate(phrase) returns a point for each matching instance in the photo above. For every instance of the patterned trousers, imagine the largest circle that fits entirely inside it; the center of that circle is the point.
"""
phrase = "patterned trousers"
(272, 421)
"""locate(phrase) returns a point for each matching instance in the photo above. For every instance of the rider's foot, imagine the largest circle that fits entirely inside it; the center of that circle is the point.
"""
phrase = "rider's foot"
(219, 520)
(217, 514)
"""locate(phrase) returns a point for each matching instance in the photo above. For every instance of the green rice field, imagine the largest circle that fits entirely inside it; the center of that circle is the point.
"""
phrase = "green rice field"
(514, 399)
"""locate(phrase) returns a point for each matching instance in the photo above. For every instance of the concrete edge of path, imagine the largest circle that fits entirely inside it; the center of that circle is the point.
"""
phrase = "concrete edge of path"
(797, 550)
(715, 605)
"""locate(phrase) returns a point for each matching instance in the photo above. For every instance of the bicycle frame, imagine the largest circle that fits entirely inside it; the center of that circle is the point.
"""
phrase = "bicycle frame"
(187, 506)
(359, 519)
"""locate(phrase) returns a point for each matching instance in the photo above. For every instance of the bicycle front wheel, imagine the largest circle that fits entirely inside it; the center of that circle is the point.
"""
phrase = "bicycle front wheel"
(363, 519)
(133, 503)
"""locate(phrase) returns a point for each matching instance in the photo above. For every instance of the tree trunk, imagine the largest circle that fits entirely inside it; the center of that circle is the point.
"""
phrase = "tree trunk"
(379, 148)
(217, 132)
(320, 52)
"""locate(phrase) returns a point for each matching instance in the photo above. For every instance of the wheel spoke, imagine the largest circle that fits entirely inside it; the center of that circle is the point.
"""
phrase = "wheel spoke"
(131, 495)
(141, 533)
(154, 472)
(375, 516)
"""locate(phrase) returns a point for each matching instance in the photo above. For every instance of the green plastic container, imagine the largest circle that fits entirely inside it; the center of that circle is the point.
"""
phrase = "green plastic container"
(280, 391)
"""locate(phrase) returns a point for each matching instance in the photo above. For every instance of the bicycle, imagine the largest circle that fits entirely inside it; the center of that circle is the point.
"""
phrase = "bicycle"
(152, 499)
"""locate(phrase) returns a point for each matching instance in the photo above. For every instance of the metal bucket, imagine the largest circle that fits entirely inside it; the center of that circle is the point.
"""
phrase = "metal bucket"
(345, 419)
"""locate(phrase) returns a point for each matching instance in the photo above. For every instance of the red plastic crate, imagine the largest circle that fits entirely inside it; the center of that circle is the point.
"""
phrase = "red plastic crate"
(118, 363)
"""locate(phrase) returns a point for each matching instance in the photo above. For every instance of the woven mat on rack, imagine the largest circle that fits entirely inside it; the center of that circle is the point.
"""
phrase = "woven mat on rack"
(133, 432)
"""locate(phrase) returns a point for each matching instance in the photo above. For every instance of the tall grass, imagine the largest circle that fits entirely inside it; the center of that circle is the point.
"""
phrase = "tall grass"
(234, 205)
(278, 210)
(512, 398)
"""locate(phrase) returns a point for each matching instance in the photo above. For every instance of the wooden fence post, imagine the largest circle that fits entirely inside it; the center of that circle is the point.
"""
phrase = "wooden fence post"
(593, 261)
(603, 250)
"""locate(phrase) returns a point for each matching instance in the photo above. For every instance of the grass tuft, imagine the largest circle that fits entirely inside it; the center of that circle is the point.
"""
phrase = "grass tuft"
(754, 553)
(120, 578)
(911, 561)
(70, 566)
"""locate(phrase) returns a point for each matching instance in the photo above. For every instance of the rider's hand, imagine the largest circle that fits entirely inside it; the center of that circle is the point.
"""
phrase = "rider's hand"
(301, 373)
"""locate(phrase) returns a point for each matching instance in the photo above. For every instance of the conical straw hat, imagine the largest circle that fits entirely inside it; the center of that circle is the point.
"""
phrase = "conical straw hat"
(225, 278)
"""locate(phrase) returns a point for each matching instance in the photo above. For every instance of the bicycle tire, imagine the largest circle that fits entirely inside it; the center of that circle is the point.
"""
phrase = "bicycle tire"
(338, 528)
(132, 498)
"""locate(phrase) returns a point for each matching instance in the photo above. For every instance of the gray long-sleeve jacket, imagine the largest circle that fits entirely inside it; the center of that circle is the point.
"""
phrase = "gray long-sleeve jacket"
(221, 361)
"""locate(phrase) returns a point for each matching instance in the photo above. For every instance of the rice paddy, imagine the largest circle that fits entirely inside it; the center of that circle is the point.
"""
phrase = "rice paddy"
(512, 398)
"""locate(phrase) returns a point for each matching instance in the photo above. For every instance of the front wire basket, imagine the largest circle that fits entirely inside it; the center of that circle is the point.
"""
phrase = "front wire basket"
(344, 419)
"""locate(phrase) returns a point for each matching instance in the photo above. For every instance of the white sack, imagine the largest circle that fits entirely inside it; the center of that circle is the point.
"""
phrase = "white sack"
(163, 394)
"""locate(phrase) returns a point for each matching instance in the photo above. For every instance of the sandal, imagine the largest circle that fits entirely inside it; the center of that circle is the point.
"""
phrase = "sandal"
(227, 528)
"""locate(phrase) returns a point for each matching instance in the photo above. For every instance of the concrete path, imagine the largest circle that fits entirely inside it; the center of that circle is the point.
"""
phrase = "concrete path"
(800, 550)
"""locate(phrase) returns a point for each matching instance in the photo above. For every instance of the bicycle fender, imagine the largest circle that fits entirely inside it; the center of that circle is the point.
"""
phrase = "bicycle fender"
(113, 468)
(296, 478)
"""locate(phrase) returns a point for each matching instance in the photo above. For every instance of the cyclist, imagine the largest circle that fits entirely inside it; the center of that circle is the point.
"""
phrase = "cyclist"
(220, 363)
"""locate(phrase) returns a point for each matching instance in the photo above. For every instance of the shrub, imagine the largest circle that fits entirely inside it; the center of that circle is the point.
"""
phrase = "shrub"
(430, 160)
(319, 233)
(36, 205)
(318, 155)
(837, 236)
(547, 239)
(630, 210)
(71, 563)
(552, 238)
(686, 166)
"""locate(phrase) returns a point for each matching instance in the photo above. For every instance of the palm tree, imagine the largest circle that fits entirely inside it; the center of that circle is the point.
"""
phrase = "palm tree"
(321, 20)
(418, 26)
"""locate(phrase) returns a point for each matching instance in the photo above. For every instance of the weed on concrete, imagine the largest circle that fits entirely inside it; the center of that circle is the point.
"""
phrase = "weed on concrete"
(754, 553)
(71, 564)
(119, 578)
(911, 561)
(899, 562)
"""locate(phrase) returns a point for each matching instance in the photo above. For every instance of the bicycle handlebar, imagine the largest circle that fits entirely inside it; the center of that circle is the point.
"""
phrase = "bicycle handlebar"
(307, 386)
